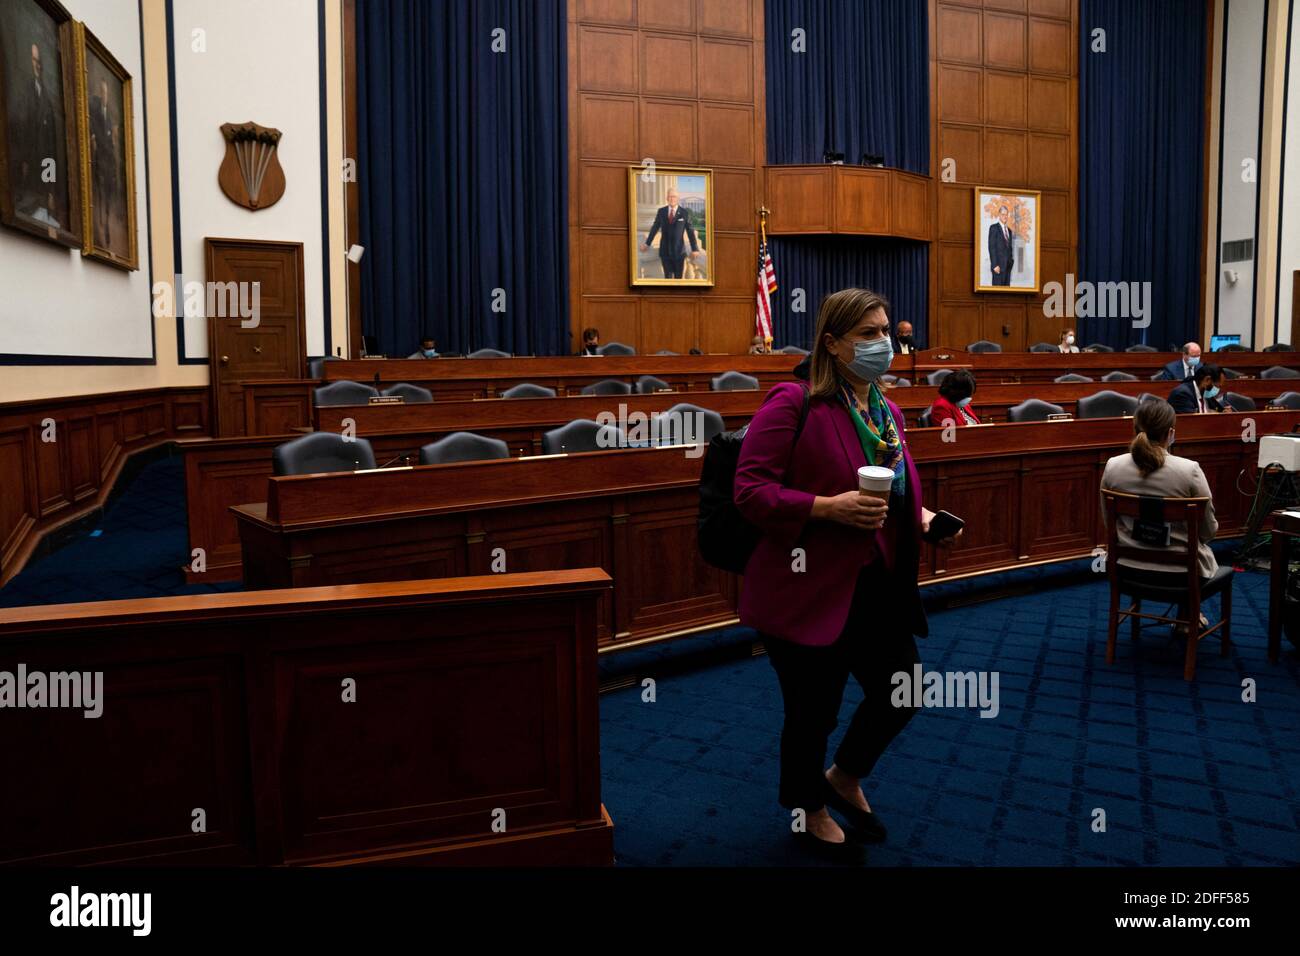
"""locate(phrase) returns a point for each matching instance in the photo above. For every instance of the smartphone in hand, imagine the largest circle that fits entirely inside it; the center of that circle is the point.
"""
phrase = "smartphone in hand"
(944, 524)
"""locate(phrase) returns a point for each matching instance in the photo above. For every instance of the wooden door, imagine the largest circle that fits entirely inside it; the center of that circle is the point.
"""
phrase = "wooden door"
(240, 351)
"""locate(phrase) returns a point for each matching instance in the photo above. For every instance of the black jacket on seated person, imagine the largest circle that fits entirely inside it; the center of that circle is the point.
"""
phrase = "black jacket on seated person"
(1183, 399)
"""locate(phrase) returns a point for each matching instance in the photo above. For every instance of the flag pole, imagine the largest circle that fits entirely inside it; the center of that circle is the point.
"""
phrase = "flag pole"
(763, 213)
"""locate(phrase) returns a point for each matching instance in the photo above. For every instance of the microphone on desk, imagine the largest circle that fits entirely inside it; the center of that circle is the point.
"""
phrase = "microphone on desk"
(376, 381)
(402, 456)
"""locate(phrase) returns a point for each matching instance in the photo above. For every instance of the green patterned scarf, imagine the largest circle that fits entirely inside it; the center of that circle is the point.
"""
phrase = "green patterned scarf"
(878, 433)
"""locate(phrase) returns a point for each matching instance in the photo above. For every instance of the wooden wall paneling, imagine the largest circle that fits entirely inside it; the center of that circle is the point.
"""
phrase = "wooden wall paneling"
(862, 201)
(1003, 110)
(48, 484)
(679, 82)
(672, 320)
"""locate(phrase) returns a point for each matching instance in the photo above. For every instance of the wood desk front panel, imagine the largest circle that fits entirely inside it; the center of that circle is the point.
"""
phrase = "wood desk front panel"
(470, 694)
(1029, 493)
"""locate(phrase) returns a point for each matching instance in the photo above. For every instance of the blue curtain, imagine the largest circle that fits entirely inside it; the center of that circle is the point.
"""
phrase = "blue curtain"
(462, 168)
(896, 268)
(861, 85)
(1141, 159)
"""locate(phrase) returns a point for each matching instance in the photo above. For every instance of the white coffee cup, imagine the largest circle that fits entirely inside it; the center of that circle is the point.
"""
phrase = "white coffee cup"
(875, 481)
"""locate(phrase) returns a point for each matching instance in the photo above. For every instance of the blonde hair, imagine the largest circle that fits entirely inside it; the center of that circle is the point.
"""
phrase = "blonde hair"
(839, 314)
(1151, 423)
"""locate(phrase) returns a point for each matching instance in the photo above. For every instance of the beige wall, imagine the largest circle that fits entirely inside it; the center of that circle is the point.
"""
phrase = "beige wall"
(20, 383)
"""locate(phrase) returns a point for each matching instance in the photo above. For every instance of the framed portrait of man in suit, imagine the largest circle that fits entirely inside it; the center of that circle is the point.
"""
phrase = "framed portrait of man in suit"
(670, 212)
(107, 155)
(40, 165)
(1006, 241)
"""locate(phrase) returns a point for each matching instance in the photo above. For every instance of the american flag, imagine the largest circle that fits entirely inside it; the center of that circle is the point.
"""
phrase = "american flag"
(763, 296)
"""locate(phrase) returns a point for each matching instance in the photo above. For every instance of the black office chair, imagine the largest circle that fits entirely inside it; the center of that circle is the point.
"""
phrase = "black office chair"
(1239, 403)
(1141, 348)
(616, 348)
(1279, 371)
(607, 386)
(1105, 404)
(984, 345)
(1158, 377)
(937, 376)
(583, 435)
(410, 394)
(1289, 400)
(316, 366)
(1277, 347)
(528, 390)
(321, 452)
(792, 350)
(1234, 347)
(924, 420)
(343, 393)
(488, 353)
(1119, 377)
(1147, 396)
(1097, 347)
(1071, 377)
(1033, 410)
(1043, 347)
(896, 381)
(734, 382)
(648, 384)
(1230, 372)
(463, 446)
(686, 423)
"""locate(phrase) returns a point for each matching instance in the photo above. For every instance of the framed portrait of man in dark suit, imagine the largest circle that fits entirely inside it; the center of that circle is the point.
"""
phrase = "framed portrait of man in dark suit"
(40, 165)
(671, 236)
(1006, 241)
(107, 155)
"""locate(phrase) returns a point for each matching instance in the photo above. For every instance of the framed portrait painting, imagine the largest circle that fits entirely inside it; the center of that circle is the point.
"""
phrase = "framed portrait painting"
(40, 164)
(1006, 241)
(670, 211)
(107, 155)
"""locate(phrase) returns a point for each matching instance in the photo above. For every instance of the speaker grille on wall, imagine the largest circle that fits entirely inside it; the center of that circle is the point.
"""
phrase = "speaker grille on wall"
(1239, 250)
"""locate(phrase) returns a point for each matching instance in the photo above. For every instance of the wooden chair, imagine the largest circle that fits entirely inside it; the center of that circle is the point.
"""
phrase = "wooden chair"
(1190, 594)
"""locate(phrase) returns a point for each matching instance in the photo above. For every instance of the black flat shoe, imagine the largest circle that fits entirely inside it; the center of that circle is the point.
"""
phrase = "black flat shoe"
(848, 852)
(866, 826)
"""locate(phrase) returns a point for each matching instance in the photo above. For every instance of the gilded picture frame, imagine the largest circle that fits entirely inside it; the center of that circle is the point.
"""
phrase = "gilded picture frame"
(1006, 240)
(107, 128)
(670, 226)
(40, 158)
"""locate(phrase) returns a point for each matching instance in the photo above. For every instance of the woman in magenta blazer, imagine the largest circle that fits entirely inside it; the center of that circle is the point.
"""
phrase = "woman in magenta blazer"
(832, 585)
(953, 403)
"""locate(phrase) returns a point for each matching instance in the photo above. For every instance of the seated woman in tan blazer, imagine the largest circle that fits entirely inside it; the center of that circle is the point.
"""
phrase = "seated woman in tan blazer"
(1149, 469)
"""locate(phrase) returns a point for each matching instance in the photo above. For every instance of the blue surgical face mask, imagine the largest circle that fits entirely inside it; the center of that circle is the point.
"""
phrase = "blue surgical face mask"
(1193, 360)
(430, 353)
(871, 359)
(963, 402)
(1212, 391)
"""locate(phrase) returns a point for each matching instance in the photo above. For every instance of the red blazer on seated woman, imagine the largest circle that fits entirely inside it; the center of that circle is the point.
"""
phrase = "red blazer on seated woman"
(953, 403)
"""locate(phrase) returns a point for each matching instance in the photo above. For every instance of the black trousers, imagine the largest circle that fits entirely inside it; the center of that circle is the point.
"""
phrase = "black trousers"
(673, 266)
(872, 647)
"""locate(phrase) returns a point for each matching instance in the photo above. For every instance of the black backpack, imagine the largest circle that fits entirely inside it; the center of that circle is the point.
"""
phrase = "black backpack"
(726, 538)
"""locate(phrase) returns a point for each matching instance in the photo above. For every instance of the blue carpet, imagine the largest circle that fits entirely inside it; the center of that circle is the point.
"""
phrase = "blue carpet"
(1187, 774)
(137, 549)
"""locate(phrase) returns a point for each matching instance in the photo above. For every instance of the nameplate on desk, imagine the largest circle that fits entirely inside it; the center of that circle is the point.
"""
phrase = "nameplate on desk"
(371, 471)
(387, 400)
(1060, 417)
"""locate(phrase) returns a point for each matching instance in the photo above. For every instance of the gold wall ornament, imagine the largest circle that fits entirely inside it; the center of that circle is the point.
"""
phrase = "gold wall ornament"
(251, 175)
